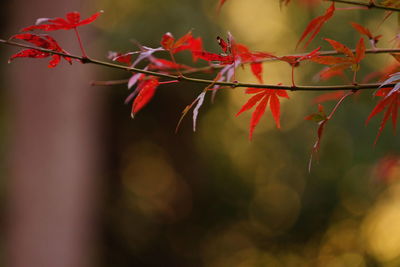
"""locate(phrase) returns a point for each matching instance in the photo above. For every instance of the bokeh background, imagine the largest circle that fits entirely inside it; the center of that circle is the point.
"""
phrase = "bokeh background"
(85, 185)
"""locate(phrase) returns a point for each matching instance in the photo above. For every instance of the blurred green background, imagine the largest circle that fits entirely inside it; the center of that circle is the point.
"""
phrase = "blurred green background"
(213, 198)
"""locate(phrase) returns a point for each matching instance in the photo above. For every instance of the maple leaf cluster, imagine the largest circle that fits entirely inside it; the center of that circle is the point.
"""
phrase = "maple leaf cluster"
(72, 21)
(147, 84)
(158, 66)
(43, 41)
(389, 104)
(338, 64)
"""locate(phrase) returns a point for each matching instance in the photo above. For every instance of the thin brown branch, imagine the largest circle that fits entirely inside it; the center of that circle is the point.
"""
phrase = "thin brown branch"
(113, 82)
(205, 81)
(273, 59)
(370, 5)
(339, 103)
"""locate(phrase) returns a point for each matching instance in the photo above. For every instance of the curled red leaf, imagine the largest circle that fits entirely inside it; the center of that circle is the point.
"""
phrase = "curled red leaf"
(147, 89)
(365, 31)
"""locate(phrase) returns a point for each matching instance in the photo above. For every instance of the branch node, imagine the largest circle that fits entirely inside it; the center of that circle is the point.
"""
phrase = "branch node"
(371, 4)
(235, 84)
(85, 60)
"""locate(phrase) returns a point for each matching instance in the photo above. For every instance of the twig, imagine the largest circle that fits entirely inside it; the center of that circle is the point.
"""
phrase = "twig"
(204, 81)
(369, 5)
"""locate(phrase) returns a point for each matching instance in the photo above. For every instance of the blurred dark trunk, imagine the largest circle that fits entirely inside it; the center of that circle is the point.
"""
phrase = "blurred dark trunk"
(54, 152)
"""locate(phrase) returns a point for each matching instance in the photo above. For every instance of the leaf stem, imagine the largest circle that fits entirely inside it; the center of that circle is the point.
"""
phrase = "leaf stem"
(113, 82)
(80, 43)
(205, 81)
(293, 84)
(338, 103)
(174, 61)
(355, 77)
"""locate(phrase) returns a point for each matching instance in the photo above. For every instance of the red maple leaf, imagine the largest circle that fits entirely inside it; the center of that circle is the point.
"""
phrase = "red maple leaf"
(254, 58)
(125, 58)
(168, 41)
(223, 60)
(164, 64)
(315, 25)
(236, 52)
(391, 102)
(73, 20)
(192, 44)
(262, 96)
(234, 55)
(373, 39)
(147, 88)
(242, 52)
(256, 68)
(341, 63)
(226, 58)
(186, 42)
(350, 57)
(43, 41)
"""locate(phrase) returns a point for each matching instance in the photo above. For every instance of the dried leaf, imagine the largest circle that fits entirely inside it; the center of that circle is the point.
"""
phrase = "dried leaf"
(200, 100)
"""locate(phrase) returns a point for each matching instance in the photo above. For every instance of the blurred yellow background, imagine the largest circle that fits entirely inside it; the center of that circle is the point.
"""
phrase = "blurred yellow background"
(213, 198)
